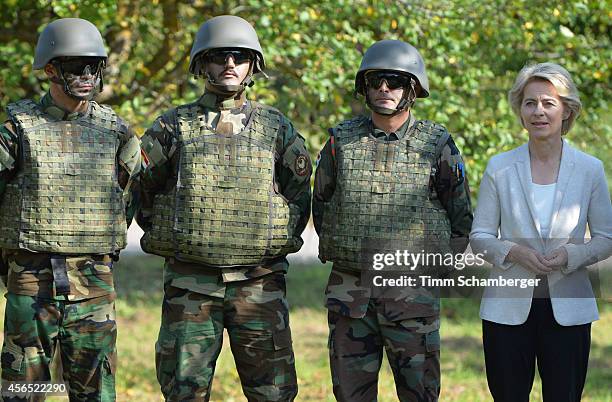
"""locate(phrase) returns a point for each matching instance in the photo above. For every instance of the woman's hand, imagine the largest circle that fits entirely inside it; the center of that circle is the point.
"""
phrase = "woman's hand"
(557, 258)
(530, 259)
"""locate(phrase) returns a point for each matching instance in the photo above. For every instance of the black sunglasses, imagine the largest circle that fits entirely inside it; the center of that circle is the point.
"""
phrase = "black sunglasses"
(219, 56)
(374, 79)
(80, 65)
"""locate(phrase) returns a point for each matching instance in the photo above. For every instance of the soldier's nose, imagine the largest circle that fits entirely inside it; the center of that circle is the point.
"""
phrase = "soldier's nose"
(383, 86)
(229, 61)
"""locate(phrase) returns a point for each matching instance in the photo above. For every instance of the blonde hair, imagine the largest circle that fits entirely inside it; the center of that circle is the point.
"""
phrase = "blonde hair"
(562, 81)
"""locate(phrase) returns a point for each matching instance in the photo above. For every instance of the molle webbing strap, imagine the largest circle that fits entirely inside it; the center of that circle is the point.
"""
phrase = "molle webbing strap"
(390, 158)
(381, 151)
(60, 276)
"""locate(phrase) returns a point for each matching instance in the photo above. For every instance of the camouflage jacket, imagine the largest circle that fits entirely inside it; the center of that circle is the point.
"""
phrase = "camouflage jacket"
(89, 276)
(160, 174)
(344, 293)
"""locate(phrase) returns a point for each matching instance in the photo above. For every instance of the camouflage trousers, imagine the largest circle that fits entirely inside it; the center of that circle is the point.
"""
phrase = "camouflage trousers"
(85, 332)
(256, 316)
(356, 353)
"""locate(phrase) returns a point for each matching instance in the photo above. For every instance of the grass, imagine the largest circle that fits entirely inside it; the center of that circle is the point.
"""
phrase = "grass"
(139, 287)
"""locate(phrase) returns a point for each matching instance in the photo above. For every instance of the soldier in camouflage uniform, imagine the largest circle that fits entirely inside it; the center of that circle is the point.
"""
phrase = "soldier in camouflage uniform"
(226, 195)
(384, 181)
(66, 167)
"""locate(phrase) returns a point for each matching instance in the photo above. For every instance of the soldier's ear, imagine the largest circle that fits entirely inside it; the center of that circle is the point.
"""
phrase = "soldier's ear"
(50, 70)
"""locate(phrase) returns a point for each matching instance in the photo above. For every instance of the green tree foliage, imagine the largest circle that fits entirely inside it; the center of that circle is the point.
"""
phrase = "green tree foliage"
(473, 50)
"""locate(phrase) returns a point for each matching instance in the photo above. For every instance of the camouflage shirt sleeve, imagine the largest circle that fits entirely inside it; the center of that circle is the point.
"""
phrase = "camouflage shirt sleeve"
(129, 164)
(293, 170)
(324, 184)
(452, 189)
(158, 162)
(8, 156)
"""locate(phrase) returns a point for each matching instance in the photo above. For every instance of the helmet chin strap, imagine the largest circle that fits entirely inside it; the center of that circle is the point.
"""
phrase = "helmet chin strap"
(229, 91)
(226, 91)
(407, 100)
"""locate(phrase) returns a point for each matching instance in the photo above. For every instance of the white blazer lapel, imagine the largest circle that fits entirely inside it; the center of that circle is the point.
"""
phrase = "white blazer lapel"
(523, 169)
(566, 171)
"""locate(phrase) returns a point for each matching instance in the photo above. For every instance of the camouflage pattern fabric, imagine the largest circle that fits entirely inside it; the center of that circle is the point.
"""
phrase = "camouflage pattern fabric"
(449, 183)
(31, 274)
(85, 331)
(128, 155)
(383, 193)
(81, 209)
(64, 301)
(256, 316)
(346, 294)
(225, 209)
(212, 281)
(248, 300)
(160, 167)
(406, 322)
(7, 161)
(356, 353)
(127, 163)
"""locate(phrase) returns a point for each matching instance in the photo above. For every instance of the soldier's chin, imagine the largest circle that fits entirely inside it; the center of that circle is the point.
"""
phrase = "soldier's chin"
(84, 94)
(229, 82)
(386, 104)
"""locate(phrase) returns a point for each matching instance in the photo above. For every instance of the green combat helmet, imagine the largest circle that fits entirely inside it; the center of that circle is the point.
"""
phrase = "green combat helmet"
(226, 31)
(397, 56)
(69, 37)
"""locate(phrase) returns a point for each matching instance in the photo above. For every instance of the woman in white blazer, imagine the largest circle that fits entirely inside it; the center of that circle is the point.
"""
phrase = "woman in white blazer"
(534, 205)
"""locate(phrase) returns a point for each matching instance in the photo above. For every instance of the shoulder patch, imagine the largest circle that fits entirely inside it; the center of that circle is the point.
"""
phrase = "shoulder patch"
(301, 165)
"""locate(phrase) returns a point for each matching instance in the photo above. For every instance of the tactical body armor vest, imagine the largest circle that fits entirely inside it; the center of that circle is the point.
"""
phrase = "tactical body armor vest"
(224, 210)
(65, 197)
(383, 201)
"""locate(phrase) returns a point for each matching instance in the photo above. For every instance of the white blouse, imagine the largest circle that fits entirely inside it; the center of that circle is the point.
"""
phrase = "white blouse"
(543, 196)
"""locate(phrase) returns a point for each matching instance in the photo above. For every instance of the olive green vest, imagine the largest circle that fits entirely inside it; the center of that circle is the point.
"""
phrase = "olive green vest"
(65, 197)
(224, 210)
(382, 201)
